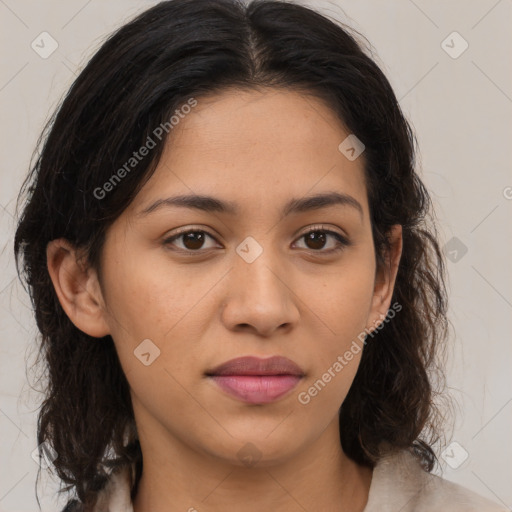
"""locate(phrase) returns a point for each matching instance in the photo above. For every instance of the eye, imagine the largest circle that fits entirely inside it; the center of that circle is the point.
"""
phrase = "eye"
(317, 237)
(192, 239)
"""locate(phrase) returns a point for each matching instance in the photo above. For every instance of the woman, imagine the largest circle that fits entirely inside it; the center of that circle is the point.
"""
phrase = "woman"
(240, 296)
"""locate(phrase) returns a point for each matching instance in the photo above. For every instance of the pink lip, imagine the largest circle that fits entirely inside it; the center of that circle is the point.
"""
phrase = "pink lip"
(255, 380)
(261, 389)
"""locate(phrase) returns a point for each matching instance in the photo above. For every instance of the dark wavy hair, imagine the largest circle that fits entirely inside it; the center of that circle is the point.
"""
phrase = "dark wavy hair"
(141, 74)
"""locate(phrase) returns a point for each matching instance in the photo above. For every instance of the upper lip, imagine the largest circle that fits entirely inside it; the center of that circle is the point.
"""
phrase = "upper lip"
(250, 365)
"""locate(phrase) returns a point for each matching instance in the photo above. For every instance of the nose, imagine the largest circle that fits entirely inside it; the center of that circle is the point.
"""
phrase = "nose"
(259, 297)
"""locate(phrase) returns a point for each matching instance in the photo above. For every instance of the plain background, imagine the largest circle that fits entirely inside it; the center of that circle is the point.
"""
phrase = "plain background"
(461, 110)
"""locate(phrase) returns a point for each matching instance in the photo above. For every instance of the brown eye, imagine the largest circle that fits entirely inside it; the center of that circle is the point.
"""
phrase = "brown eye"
(194, 240)
(191, 240)
(316, 239)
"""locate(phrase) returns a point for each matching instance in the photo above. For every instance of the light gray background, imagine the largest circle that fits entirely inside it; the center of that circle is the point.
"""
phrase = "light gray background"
(461, 110)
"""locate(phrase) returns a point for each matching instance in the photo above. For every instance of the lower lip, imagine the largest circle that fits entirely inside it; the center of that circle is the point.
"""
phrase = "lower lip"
(256, 389)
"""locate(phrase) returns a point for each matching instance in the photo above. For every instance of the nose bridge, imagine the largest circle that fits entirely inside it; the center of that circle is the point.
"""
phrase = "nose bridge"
(259, 296)
(257, 267)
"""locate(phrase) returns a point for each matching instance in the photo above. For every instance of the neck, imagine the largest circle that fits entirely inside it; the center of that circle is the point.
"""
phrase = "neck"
(175, 477)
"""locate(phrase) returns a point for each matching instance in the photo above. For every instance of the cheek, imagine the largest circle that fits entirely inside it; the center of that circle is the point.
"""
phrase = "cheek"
(159, 309)
(343, 302)
(147, 295)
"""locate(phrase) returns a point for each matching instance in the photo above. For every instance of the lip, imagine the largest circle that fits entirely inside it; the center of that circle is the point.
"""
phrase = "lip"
(255, 380)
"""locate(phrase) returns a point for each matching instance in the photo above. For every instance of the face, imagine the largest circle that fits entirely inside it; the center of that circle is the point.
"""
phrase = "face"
(261, 271)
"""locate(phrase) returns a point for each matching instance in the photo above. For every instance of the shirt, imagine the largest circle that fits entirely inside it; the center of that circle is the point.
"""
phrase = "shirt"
(399, 484)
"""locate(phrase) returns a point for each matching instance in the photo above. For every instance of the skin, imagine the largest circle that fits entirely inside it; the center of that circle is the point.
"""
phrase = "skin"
(258, 149)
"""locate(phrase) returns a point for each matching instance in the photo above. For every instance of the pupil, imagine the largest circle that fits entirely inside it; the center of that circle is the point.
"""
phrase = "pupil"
(311, 238)
(196, 243)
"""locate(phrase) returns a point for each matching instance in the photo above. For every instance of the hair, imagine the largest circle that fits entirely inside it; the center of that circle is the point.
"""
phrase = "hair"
(141, 74)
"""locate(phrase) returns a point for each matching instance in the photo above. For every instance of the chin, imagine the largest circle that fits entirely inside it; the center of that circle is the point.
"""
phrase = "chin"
(250, 448)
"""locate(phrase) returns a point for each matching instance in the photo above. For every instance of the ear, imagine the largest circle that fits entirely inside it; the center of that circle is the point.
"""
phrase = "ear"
(77, 288)
(385, 277)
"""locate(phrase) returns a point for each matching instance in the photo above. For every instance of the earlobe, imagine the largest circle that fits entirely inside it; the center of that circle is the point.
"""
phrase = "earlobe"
(77, 288)
(385, 279)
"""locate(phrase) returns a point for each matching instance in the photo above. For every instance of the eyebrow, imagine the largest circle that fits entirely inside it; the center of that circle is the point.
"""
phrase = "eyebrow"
(296, 205)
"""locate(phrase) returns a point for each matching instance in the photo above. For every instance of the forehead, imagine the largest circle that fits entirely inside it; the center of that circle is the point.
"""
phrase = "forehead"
(256, 147)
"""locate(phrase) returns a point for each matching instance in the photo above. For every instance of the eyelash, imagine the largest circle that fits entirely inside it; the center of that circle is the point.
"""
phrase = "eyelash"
(342, 241)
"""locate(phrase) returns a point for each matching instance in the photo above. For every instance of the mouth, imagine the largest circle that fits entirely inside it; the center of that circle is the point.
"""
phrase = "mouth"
(255, 380)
